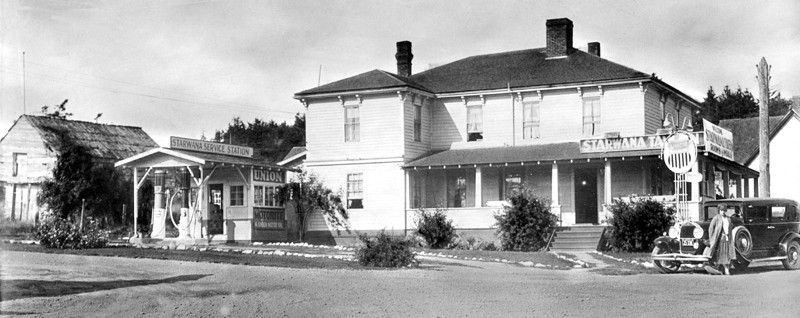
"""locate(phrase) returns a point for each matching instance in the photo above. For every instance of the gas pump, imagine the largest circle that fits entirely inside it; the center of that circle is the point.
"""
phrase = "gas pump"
(189, 223)
(159, 211)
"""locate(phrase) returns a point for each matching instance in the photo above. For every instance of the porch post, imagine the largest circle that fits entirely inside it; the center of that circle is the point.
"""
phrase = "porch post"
(726, 189)
(555, 207)
(738, 186)
(408, 201)
(755, 187)
(607, 192)
(135, 202)
(746, 186)
(478, 189)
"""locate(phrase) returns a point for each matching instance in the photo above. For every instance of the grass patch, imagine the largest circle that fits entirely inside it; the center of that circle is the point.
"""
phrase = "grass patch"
(195, 256)
(543, 258)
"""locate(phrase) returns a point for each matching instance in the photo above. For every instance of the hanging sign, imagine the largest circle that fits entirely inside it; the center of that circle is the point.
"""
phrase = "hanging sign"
(718, 141)
(210, 147)
(694, 177)
(680, 152)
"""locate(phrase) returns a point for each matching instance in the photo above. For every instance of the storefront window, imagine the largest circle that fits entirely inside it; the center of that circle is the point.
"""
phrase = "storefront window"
(237, 195)
(265, 196)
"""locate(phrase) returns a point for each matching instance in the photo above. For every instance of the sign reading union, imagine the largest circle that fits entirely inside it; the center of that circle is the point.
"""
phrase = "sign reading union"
(210, 147)
(718, 141)
(623, 144)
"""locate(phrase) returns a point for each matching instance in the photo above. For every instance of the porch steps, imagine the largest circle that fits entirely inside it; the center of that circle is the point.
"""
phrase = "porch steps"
(583, 238)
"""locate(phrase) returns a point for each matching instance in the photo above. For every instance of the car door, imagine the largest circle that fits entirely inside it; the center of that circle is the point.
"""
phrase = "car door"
(756, 219)
(778, 224)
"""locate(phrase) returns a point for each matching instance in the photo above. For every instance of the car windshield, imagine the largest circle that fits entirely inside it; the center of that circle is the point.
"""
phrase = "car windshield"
(711, 211)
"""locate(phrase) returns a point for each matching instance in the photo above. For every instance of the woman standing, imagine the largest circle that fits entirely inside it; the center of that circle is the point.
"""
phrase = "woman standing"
(721, 245)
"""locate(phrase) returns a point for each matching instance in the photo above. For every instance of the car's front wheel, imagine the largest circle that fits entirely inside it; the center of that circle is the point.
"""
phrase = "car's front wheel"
(668, 267)
(792, 261)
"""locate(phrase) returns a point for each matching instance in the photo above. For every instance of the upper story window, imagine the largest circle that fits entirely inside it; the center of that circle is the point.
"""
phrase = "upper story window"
(20, 165)
(475, 123)
(351, 123)
(355, 191)
(530, 120)
(417, 122)
(237, 195)
(591, 116)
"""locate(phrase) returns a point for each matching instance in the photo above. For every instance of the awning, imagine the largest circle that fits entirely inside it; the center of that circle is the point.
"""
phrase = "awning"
(523, 154)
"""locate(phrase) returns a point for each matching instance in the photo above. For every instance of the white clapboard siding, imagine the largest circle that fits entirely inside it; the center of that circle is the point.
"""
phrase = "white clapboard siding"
(415, 149)
(381, 129)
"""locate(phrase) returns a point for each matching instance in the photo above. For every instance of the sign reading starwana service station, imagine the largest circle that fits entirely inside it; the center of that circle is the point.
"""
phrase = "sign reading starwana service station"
(718, 141)
(210, 147)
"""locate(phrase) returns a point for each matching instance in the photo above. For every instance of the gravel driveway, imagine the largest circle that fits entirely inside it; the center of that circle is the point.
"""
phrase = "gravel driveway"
(53, 285)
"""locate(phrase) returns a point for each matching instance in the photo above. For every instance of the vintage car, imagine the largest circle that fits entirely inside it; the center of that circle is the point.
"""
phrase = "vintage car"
(764, 229)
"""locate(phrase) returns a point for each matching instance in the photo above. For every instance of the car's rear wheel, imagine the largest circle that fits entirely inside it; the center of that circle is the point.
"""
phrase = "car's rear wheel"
(668, 267)
(792, 261)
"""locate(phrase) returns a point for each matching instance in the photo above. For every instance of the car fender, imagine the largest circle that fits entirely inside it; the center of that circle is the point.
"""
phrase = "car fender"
(785, 242)
(667, 243)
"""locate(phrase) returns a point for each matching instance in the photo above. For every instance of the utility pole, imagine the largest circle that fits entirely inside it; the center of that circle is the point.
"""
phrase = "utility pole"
(763, 128)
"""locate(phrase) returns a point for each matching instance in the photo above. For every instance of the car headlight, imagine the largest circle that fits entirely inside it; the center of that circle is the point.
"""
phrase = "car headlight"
(698, 232)
(673, 232)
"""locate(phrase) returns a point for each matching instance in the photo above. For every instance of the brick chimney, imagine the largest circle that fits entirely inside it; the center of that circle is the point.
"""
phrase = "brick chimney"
(559, 37)
(594, 48)
(404, 57)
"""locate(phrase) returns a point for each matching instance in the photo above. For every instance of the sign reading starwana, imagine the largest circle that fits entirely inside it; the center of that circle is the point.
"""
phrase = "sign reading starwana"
(210, 147)
(622, 144)
(718, 141)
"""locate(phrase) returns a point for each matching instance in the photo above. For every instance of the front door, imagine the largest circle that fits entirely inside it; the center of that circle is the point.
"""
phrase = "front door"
(215, 213)
(586, 196)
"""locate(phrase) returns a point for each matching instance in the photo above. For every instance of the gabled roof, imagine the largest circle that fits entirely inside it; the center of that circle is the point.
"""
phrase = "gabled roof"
(375, 79)
(525, 68)
(745, 135)
(188, 157)
(108, 142)
(294, 154)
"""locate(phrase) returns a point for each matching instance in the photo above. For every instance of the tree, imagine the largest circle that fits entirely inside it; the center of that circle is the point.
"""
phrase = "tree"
(309, 195)
(738, 104)
(76, 177)
(270, 140)
(59, 111)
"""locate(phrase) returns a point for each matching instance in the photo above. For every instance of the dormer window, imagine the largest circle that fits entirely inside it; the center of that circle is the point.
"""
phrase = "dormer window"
(475, 123)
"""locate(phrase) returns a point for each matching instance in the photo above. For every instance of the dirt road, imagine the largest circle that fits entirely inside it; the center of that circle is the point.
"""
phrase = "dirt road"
(79, 286)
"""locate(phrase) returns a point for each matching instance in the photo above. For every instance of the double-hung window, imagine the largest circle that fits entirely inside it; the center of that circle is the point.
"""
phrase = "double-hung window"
(355, 191)
(591, 116)
(456, 188)
(417, 122)
(352, 124)
(530, 120)
(265, 196)
(475, 123)
(237, 195)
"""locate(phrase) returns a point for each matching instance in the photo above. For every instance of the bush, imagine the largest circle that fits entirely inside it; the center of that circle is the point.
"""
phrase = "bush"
(526, 224)
(634, 225)
(59, 233)
(435, 228)
(384, 251)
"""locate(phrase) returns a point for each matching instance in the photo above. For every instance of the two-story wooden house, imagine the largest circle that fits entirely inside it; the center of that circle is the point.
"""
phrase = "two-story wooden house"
(576, 128)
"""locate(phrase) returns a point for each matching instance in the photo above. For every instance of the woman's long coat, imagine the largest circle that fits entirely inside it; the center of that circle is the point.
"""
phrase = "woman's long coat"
(714, 236)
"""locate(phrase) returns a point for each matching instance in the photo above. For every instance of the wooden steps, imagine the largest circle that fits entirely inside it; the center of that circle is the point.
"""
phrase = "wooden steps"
(580, 238)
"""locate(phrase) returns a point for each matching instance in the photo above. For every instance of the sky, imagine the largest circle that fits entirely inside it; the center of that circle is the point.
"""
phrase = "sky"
(188, 67)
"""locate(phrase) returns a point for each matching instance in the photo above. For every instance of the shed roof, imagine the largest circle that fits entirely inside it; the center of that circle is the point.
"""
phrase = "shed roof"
(105, 141)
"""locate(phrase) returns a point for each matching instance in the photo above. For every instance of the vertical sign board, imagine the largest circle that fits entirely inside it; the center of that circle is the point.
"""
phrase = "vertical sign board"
(718, 141)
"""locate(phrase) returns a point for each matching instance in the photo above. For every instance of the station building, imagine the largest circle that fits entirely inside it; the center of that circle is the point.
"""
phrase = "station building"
(577, 129)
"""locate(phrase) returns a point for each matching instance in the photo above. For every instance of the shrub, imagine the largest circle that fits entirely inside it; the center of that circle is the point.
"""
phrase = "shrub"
(634, 225)
(435, 228)
(55, 232)
(384, 251)
(526, 223)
